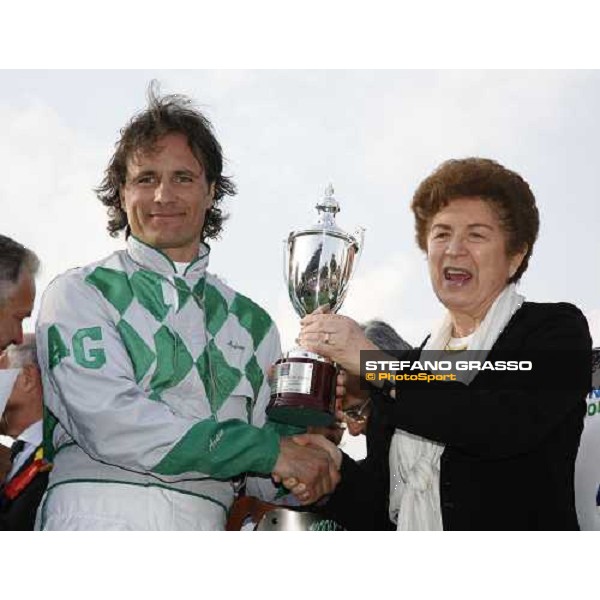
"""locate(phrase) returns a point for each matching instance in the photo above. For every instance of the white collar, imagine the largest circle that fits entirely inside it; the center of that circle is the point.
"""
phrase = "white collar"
(32, 437)
(34, 434)
(157, 261)
(181, 267)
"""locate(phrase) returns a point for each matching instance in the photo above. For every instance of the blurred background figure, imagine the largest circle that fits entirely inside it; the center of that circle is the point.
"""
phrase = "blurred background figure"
(356, 405)
(18, 267)
(27, 475)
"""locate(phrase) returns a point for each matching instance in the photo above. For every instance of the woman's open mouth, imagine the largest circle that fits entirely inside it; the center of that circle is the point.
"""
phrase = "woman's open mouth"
(457, 276)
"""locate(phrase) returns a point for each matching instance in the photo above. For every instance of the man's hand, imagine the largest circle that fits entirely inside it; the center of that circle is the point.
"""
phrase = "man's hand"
(318, 441)
(5, 463)
(309, 440)
(310, 470)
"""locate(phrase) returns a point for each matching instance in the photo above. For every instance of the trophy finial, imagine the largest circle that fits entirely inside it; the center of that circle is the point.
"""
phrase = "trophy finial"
(328, 207)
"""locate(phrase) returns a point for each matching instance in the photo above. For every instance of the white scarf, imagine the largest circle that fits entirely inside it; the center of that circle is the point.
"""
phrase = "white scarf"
(415, 461)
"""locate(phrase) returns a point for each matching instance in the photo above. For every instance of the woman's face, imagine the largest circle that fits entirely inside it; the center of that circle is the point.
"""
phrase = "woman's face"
(466, 252)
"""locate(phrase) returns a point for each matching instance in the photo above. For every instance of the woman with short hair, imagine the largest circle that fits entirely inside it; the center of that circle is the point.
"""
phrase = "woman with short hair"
(495, 449)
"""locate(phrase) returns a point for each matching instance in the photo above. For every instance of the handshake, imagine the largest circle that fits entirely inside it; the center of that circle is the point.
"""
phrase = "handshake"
(308, 465)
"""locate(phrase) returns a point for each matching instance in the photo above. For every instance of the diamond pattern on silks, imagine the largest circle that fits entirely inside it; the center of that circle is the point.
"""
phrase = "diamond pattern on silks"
(189, 399)
(215, 308)
(183, 292)
(235, 343)
(193, 333)
(113, 285)
(140, 354)
(254, 374)
(173, 360)
(251, 317)
(191, 346)
(147, 288)
(218, 376)
(198, 292)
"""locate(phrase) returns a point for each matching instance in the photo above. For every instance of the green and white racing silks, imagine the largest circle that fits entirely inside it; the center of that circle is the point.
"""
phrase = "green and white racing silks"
(153, 378)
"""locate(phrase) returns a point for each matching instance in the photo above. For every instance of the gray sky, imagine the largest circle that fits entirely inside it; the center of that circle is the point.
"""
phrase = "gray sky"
(286, 134)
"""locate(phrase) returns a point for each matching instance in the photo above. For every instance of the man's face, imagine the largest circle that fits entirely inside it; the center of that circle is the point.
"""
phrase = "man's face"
(15, 309)
(166, 197)
(24, 405)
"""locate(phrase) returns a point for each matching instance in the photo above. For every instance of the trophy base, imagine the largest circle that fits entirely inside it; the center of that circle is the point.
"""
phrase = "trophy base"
(300, 416)
(303, 391)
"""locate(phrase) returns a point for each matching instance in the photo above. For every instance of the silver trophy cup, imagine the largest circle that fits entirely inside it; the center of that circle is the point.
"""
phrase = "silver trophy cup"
(319, 263)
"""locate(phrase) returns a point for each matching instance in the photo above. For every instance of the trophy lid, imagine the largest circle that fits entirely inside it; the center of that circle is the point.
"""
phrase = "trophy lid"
(327, 209)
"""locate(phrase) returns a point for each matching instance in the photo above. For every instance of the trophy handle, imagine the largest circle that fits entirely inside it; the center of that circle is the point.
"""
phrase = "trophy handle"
(359, 236)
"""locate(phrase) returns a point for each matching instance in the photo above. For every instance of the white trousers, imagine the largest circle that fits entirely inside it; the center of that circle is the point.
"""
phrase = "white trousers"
(83, 506)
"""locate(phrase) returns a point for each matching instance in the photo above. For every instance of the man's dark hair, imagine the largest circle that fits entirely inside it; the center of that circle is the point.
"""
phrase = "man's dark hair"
(14, 260)
(164, 115)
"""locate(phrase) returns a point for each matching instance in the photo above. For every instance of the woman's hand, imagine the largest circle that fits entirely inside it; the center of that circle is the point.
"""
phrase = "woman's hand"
(307, 466)
(304, 492)
(336, 337)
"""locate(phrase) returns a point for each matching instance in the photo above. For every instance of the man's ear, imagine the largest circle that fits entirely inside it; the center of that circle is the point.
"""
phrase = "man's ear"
(211, 192)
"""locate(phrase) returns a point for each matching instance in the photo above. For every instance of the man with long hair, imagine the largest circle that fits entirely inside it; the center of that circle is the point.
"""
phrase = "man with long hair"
(156, 370)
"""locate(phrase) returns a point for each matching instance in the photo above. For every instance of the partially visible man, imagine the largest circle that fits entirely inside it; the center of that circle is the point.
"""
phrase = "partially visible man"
(18, 267)
(356, 404)
(27, 478)
(155, 371)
